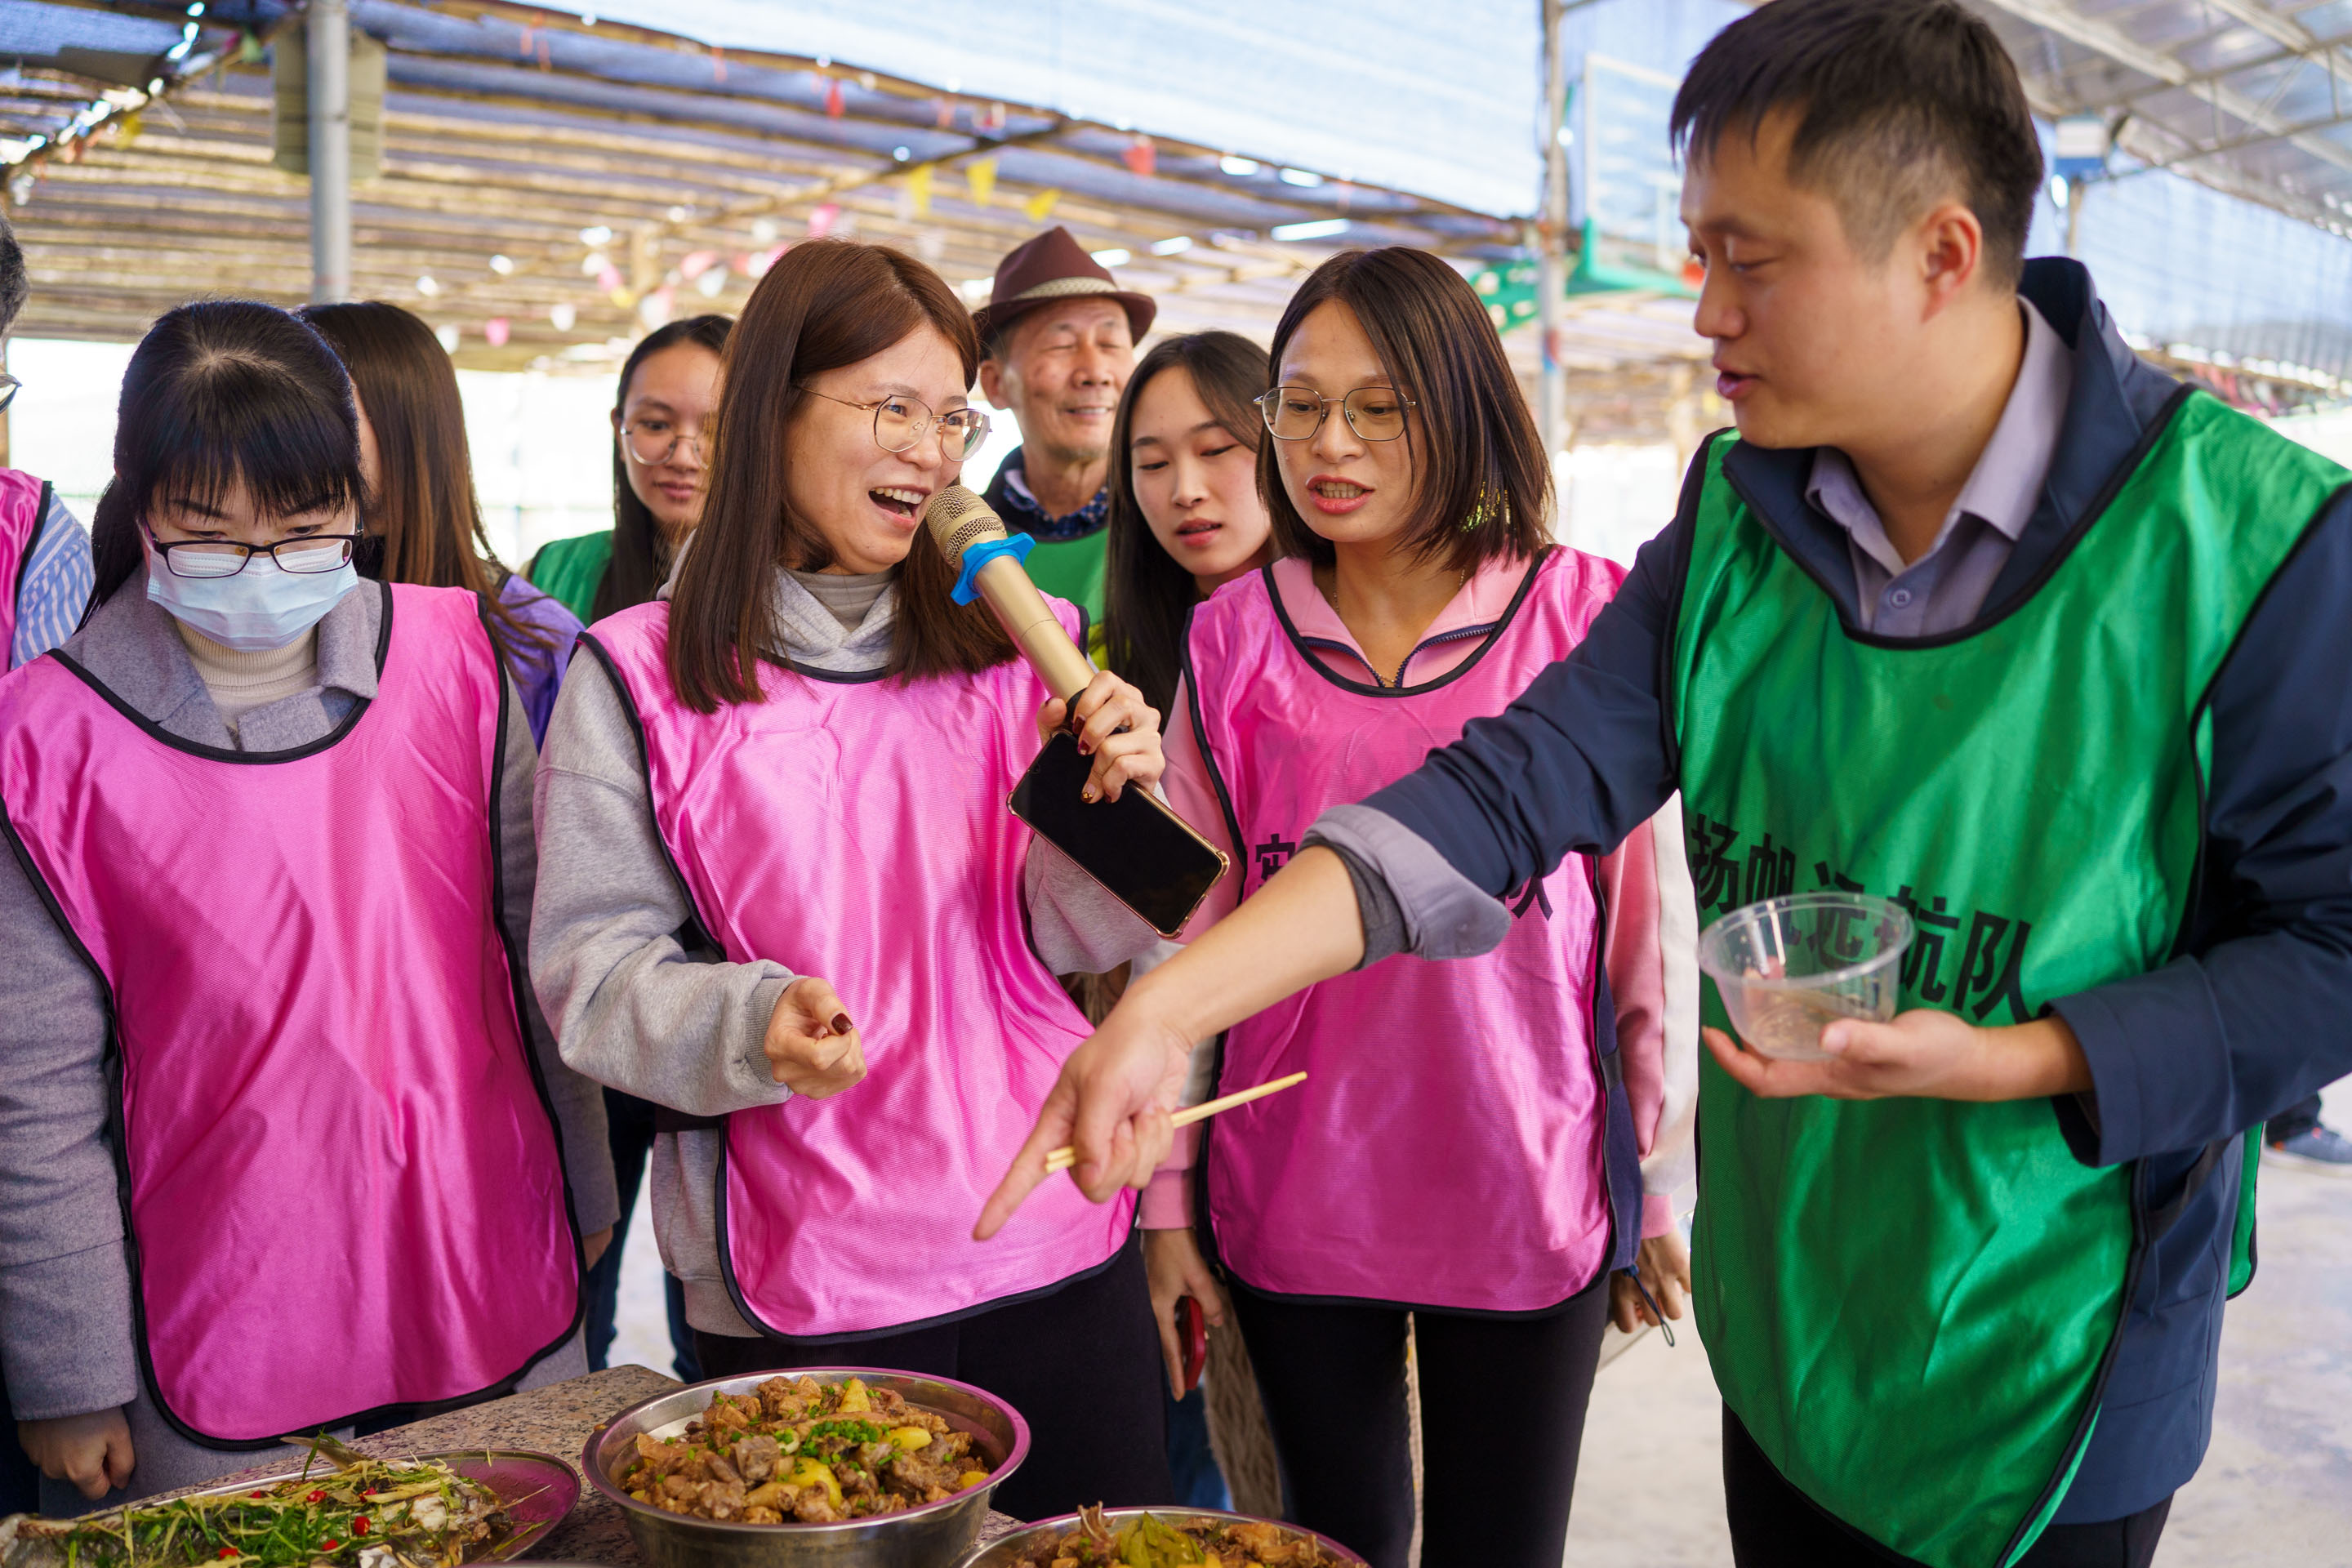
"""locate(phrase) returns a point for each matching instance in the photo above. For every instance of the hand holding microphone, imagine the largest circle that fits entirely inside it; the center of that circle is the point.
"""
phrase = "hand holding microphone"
(1112, 722)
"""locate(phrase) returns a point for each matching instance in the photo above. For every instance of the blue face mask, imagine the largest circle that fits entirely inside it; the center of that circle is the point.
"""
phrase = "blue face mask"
(263, 606)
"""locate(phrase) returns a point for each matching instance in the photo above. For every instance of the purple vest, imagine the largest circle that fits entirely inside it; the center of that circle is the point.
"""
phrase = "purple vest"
(855, 828)
(343, 1184)
(1490, 1174)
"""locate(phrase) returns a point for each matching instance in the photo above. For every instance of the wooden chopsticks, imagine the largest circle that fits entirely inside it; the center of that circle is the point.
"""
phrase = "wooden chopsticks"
(1064, 1157)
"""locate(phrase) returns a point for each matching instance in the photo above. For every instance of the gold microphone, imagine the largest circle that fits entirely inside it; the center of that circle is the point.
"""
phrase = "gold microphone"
(961, 522)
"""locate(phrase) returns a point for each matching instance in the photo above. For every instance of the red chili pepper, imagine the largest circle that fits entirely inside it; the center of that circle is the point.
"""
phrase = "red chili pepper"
(318, 1497)
(359, 1525)
(257, 1494)
(231, 1550)
(367, 1491)
(328, 1544)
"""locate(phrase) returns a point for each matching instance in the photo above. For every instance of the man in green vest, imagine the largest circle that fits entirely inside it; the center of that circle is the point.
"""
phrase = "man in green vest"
(1980, 613)
(1059, 338)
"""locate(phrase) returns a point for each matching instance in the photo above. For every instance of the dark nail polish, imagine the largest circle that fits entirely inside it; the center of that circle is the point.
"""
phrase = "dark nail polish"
(841, 1024)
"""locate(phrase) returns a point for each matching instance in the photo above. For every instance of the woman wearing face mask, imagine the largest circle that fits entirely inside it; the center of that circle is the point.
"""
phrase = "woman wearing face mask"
(792, 768)
(669, 384)
(420, 481)
(1414, 590)
(271, 873)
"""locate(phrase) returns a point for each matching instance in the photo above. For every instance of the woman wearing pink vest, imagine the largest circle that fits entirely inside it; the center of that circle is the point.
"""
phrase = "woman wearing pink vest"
(1492, 1197)
(270, 873)
(781, 896)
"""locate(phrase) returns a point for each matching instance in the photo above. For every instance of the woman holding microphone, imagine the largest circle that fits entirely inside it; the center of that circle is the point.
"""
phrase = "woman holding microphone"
(783, 899)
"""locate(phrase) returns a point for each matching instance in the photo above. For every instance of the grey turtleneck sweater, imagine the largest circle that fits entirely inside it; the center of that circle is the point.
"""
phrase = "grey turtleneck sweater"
(621, 990)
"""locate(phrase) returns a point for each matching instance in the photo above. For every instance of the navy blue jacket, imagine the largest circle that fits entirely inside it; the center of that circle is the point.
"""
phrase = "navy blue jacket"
(2246, 1019)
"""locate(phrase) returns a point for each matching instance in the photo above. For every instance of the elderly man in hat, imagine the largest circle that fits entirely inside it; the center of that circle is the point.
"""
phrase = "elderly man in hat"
(1059, 338)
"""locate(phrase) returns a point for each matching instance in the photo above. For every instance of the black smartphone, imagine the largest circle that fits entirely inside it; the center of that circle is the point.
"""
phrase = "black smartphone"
(1149, 858)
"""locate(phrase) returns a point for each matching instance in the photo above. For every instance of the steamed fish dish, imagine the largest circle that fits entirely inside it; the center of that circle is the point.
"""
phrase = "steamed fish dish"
(370, 1514)
(801, 1452)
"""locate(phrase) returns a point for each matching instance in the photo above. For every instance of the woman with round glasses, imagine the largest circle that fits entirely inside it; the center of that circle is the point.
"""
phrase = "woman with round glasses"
(265, 912)
(781, 896)
(669, 384)
(1414, 591)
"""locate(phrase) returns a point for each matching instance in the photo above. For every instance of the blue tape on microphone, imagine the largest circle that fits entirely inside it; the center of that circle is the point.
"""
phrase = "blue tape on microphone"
(976, 556)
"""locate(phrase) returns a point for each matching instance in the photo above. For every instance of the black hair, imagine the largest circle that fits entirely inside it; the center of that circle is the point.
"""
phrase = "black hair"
(1148, 596)
(1483, 490)
(218, 392)
(640, 555)
(14, 286)
(1898, 103)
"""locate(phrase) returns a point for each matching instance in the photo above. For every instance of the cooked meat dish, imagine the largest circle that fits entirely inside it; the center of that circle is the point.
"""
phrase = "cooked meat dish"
(1150, 1541)
(802, 1452)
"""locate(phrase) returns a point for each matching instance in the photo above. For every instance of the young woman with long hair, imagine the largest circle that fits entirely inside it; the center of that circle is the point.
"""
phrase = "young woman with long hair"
(780, 896)
(424, 516)
(669, 384)
(1414, 589)
(1185, 515)
(286, 1144)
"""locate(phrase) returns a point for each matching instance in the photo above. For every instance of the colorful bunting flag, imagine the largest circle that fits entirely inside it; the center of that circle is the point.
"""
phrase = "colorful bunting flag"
(1038, 206)
(918, 189)
(1141, 158)
(980, 178)
(833, 104)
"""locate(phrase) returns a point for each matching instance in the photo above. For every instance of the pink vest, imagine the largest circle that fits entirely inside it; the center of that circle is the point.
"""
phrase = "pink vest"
(20, 524)
(855, 828)
(1489, 1175)
(345, 1193)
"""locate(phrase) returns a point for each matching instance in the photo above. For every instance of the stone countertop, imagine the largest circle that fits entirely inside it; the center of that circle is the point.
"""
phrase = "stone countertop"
(555, 1420)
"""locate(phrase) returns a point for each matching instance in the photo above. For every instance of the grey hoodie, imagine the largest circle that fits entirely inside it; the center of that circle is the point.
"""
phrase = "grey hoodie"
(621, 989)
(65, 1323)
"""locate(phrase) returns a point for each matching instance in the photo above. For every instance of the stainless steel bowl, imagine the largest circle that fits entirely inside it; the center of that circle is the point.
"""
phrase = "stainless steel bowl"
(1005, 1550)
(929, 1535)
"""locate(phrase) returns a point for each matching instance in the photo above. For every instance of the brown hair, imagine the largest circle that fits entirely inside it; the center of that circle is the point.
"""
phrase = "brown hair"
(424, 512)
(1148, 597)
(825, 304)
(1438, 348)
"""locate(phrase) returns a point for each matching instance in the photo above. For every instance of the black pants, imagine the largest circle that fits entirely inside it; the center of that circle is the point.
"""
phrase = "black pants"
(2293, 1121)
(1502, 1417)
(629, 1121)
(1774, 1525)
(1082, 1366)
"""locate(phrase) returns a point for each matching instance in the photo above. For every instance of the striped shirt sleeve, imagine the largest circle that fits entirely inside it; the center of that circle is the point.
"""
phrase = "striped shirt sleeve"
(55, 586)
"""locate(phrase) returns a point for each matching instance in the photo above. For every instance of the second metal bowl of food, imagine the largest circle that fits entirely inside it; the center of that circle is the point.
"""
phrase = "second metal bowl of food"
(927, 1535)
(1016, 1549)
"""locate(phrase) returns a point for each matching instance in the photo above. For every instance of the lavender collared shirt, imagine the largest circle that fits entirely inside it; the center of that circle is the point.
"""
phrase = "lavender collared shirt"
(1945, 588)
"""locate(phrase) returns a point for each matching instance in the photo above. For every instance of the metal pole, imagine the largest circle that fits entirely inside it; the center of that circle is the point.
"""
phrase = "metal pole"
(1551, 233)
(327, 30)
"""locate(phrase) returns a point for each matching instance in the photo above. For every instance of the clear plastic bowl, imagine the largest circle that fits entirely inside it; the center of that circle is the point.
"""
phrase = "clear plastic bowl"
(1789, 966)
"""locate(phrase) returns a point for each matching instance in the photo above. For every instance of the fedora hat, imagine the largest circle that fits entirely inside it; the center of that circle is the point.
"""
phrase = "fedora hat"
(1047, 269)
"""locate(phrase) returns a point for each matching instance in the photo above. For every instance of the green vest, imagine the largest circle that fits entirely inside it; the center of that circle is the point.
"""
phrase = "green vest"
(569, 571)
(1072, 569)
(1912, 1304)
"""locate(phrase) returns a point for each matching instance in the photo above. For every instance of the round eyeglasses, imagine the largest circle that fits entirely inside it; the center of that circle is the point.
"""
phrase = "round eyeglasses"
(8, 385)
(900, 422)
(650, 443)
(1296, 413)
(226, 557)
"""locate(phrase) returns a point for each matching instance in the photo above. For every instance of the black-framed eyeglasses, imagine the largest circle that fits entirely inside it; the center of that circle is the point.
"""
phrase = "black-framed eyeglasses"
(651, 445)
(226, 557)
(1296, 413)
(900, 422)
(8, 385)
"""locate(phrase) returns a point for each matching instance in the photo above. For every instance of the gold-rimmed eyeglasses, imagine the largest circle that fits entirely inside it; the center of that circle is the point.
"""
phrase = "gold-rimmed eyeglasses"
(900, 422)
(650, 443)
(1296, 413)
